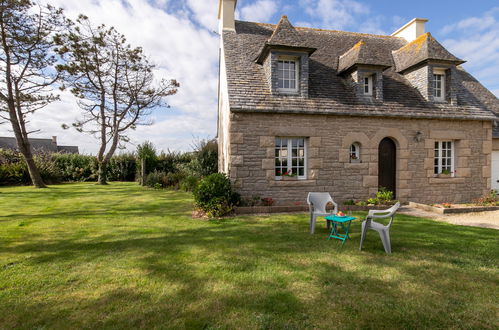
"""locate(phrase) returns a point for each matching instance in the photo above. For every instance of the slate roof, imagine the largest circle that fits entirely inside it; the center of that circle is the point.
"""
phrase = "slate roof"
(328, 93)
(38, 145)
(361, 54)
(423, 48)
(284, 36)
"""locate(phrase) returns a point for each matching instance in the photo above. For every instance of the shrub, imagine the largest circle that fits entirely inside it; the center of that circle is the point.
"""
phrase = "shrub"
(155, 178)
(147, 152)
(250, 201)
(349, 202)
(207, 157)
(189, 183)
(122, 167)
(48, 169)
(373, 201)
(173, 179)
(488, 199)
(384, 195)
(214, 195)
(268, 201)
(75, 167)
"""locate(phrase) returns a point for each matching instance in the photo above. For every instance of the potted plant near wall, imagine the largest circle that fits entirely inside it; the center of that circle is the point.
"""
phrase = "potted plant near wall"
(354, 159)
(445, 174)
(289, 176)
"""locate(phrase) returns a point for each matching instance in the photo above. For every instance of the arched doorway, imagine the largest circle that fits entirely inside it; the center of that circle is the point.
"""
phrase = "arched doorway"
(387, 165)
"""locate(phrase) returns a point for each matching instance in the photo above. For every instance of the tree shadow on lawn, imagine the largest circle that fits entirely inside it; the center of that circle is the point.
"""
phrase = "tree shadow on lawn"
(161, 205)
(273, 274)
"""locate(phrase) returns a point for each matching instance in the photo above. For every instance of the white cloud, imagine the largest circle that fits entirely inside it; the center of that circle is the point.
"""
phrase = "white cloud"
(178, 38)
(334, 14)
(476, 40)
(260, 11)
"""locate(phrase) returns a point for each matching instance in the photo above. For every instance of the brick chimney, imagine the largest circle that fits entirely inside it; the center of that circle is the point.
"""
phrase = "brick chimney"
(412, 29)
(226, 10)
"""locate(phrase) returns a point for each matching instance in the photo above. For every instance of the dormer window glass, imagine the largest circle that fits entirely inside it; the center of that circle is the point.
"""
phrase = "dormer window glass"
(368, 85)
(287, 75)
(439, 85)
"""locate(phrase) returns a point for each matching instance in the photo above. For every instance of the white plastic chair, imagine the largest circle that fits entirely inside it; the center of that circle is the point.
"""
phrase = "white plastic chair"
(383, 231)
(317, 202)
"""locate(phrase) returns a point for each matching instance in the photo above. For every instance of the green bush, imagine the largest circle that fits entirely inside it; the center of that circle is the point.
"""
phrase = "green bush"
(155, 178)
(207, 157)
(14, 174)
(14, 171)
(147, 152)
(189, 183)
(214, 195)
(122, 167)
(173, 180)
(384, 195)
(76, 167)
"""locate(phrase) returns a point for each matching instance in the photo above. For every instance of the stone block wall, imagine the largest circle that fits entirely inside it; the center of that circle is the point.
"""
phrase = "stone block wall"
(251, 166)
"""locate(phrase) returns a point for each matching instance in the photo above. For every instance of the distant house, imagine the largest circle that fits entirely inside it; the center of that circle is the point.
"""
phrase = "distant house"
(304, 109)
(39, 145)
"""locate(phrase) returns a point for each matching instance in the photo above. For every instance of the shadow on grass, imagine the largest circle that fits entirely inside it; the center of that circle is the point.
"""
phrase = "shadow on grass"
(250, 272)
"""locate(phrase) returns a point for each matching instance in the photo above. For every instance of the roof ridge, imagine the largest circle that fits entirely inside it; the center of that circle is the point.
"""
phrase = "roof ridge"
(305, 28)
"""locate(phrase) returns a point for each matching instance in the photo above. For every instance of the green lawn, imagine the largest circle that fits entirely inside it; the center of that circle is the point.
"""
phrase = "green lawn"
(122, 256)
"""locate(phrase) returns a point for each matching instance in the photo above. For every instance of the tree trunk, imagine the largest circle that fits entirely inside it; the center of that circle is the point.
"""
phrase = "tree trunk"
(102, 173)
(25, 149)
(143, 171)
(34, 173)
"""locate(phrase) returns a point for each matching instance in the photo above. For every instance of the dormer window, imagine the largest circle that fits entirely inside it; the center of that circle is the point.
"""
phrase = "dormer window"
(368, 85)
(439, 85)
(287, 75)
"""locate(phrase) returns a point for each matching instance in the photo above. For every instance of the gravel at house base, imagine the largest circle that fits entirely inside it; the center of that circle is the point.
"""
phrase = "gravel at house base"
(488, 219)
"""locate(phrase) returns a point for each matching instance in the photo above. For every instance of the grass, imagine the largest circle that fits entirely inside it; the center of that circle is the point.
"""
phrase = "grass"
(121, 256)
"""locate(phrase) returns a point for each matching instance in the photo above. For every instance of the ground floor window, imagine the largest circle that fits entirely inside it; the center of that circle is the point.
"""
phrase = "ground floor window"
(290, 157)
(354, 153)
(444, 157)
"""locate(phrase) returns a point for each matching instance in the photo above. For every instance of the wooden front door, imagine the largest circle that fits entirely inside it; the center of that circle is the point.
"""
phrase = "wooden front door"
(387, 165)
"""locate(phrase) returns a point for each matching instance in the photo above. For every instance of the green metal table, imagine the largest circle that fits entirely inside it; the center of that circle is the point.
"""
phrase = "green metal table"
(344, 222)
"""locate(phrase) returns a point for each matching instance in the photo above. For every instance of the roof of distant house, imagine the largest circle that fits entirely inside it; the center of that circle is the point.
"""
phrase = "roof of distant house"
(38, 145)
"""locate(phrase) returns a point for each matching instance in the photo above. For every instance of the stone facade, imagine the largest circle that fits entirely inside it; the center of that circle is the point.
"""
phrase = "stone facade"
(251, 161)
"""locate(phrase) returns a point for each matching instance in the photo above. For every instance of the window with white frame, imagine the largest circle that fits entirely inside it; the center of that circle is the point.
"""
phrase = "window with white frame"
(355, 152)
(287, 75)
(438, 85)
(368, 85)
(444, 157)
(290, 157)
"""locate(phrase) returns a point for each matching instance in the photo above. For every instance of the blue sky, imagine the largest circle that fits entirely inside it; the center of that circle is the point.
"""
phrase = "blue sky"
(178, 36)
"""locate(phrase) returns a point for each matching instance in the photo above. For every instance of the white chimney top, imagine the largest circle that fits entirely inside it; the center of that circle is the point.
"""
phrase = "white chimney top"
(226, 10)
(54, 139)
(411, 30)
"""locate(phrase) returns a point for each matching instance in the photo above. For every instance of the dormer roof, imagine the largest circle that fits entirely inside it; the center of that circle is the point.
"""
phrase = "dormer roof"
(362, 54)
(284, 37)
(422, 49)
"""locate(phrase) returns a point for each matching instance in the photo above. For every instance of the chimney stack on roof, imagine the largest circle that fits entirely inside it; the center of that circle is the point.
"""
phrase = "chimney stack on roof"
(226, 10)
(54, 140)
(412, 30)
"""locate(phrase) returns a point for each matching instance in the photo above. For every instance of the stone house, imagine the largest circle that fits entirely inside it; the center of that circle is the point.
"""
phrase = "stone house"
(305, 109)
(38, 145)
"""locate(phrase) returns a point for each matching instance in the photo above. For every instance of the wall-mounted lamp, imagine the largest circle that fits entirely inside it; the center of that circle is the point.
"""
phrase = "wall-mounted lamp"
(418, 137)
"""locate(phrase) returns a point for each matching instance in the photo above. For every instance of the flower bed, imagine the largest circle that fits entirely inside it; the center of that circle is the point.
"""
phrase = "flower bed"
(453, 208)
